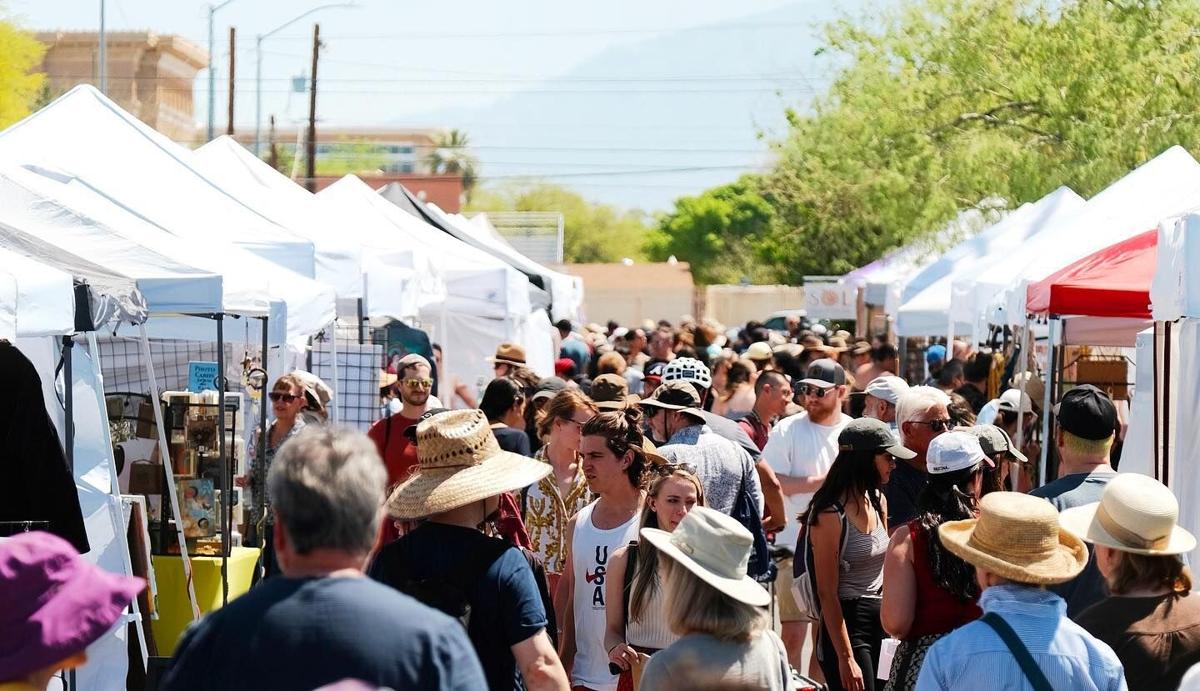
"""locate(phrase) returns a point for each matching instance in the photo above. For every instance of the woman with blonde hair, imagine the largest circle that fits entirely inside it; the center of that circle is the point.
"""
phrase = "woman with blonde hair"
(715, 608)
(637, 628)
(1151, 620)
(548, 505)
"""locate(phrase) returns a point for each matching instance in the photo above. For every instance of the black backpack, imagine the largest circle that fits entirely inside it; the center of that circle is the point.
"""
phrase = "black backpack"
(448, 593)
(761, 568)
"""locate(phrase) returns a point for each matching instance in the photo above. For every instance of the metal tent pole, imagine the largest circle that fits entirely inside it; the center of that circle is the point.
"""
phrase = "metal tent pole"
(223, 451)
(165, 453)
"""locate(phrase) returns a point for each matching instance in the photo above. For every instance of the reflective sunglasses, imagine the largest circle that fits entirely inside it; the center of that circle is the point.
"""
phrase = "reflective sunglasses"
(815, 391)
(417, 383)
(276, 397)
(936, 425)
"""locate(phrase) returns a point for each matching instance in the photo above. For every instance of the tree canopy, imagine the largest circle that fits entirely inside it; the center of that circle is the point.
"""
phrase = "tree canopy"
(591, 232)
(20, 86)
(941, 104)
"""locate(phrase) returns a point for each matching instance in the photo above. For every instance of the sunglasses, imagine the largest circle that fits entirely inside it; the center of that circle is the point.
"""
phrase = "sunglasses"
(417, 383)
(668, 468)
(935, 425)
(276, 397)
(816, 391)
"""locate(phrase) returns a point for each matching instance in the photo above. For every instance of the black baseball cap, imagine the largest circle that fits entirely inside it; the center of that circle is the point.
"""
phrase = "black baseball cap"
(825, 373)
(1087, 412)
(654, 370)
(869, 434)
(411, 431)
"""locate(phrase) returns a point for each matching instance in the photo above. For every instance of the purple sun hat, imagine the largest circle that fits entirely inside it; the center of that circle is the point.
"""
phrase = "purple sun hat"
(53, 603)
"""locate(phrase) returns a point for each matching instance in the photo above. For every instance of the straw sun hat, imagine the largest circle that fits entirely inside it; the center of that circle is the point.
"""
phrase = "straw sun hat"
(1135, 514)
(459, 463)
(716, 548)
(1017, 537)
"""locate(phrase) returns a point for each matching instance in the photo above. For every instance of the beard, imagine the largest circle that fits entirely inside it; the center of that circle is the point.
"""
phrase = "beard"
(415, 398)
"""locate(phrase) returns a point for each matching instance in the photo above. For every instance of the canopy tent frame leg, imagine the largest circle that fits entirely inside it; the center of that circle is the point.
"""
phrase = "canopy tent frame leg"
(1052, 349)
(1022, 369)
(334, 415)
(69, 682)
(115, 505)
(165, 454)
(223, 451)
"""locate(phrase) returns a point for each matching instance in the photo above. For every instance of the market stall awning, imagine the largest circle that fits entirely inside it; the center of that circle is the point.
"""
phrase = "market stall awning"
(1113, 282)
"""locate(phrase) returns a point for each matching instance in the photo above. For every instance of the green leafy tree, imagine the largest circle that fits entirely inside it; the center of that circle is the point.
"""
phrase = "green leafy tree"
(724, 233)
(591, 232)
(20, 86)
(941, 105)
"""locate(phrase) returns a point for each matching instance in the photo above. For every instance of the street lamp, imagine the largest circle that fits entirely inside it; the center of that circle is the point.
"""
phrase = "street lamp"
(212, 79)
(258, 67)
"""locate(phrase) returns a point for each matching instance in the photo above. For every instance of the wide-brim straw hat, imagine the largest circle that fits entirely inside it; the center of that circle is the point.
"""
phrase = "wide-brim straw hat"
(717, 549)
(1136, 514)
(460, 463)
(1017, 537)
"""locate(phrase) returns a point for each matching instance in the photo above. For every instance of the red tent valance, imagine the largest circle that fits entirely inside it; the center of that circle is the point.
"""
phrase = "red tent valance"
(1114, 282)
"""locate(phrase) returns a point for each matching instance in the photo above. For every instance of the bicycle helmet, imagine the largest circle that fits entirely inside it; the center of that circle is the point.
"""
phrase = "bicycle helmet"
(689, 370)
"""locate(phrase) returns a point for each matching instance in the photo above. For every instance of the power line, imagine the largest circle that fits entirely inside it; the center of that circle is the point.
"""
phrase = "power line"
(558, 33)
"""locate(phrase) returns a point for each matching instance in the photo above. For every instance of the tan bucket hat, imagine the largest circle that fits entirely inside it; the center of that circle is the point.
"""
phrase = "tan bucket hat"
(1136, 514)
(1017, 537)
(717, 549)
(509, 354)
(460, 463)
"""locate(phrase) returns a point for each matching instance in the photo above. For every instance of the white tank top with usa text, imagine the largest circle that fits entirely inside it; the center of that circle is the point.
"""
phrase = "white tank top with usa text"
(590, 550)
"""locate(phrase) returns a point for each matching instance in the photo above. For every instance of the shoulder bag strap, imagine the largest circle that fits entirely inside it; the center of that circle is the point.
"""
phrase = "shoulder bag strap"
(1028, 665)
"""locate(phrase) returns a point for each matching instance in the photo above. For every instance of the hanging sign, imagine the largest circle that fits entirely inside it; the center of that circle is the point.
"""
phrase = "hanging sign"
(829, 300)
(202, 376)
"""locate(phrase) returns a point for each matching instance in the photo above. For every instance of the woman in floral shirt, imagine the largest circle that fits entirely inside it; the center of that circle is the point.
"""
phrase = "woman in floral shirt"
(549, 505)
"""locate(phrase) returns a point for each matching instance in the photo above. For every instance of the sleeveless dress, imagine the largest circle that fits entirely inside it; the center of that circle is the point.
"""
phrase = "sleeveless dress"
(591, 548)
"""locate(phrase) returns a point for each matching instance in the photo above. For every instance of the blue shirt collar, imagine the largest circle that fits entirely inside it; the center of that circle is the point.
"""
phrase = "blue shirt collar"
(1022, 599)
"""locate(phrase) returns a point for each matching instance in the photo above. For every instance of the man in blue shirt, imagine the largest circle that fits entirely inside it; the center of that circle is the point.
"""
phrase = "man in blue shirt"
(323, 621)
(1024, 639)
(573, 347)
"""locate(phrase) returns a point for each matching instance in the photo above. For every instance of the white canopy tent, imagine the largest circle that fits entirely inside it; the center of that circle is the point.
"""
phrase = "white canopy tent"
(93, 138)
(1166, 185)
(36, 299)
(487, 299)
(252, 286)
(292, 206)
(885, 285)
(928, 300)
(566, 291)
(971, 291)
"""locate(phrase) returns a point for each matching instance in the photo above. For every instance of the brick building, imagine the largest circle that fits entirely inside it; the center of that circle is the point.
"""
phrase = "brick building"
(149, 74)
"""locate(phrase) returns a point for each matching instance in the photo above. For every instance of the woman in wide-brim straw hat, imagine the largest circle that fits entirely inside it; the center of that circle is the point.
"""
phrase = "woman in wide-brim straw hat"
(715, 608)
(1024, 638)
(1151, 621)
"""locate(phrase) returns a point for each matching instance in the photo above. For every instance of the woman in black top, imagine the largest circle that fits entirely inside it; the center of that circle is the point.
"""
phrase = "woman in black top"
(504, 405)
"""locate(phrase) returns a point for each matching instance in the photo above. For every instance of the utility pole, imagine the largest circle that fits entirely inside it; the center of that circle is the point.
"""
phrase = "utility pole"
(103, 53)
(311, 173)
(232, 65)
(212, 77)
(272, 150)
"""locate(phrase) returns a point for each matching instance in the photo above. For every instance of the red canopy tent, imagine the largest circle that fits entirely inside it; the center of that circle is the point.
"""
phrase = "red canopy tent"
(1114, 282)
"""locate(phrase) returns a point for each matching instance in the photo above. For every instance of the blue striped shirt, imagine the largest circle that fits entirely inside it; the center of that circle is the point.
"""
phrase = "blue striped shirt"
(974, 656)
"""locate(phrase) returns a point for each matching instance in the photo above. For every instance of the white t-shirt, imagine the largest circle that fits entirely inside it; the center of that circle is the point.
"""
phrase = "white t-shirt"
(798, 447)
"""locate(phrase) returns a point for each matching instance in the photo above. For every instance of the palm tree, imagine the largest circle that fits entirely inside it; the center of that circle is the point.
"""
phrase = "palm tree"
(450, 157)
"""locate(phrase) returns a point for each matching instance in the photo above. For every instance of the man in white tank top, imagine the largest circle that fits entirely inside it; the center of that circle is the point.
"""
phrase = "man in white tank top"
(613, 463)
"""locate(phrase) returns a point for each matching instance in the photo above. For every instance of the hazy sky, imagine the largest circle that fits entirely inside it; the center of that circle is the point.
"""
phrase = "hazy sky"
(457, 62)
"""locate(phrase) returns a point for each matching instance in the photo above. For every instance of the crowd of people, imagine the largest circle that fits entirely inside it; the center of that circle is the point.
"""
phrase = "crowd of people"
(678, 508)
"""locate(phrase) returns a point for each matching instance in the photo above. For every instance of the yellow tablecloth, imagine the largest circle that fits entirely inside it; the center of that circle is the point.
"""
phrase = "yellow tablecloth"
(174, 612)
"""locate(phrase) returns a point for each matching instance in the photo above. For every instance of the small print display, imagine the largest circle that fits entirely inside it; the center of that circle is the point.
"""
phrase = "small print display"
(197, 507)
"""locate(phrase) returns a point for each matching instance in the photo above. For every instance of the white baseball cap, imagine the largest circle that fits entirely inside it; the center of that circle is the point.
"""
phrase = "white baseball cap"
(887, 388)
(953, 451)
(1010, 398)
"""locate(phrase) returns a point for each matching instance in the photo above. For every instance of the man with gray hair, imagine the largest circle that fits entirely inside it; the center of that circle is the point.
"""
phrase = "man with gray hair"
(323, 621)
(921, 415)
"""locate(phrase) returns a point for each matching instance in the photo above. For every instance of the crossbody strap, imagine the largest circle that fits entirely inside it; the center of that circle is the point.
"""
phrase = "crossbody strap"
(1028, 665)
